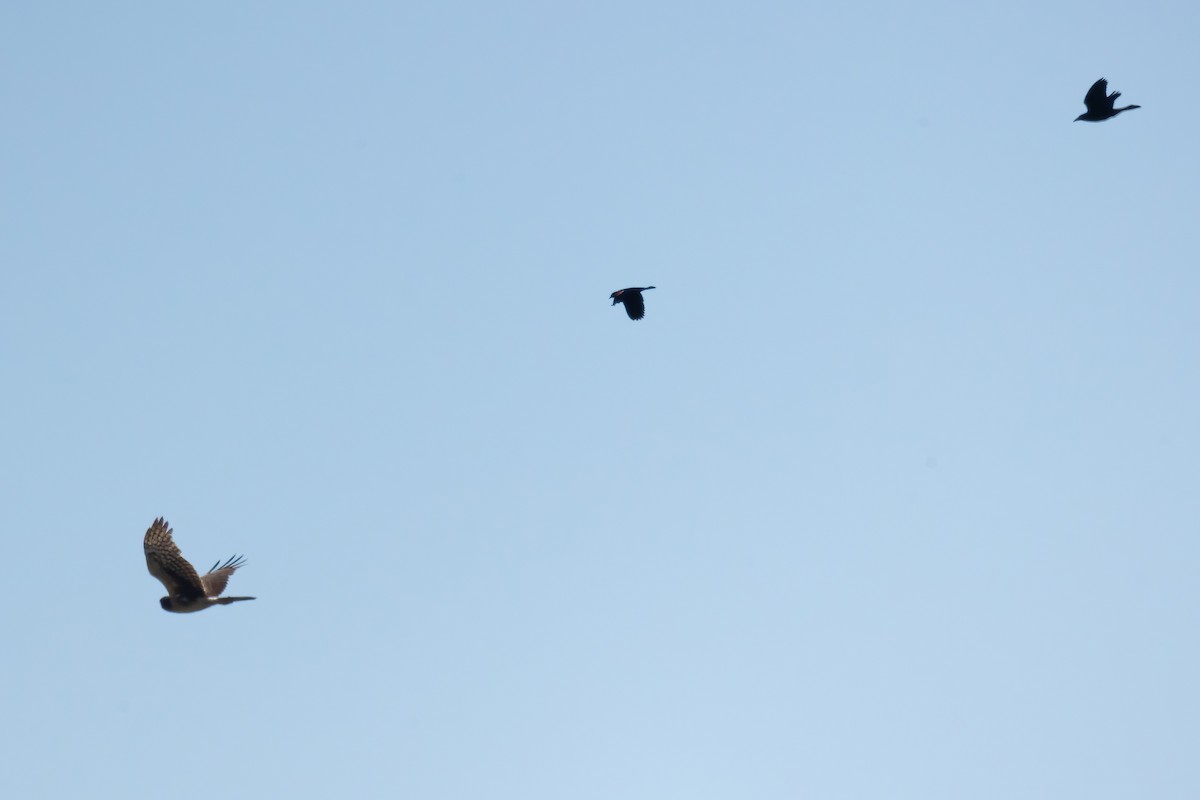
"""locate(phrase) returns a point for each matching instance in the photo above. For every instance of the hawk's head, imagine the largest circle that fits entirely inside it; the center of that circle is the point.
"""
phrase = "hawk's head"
(166, 603)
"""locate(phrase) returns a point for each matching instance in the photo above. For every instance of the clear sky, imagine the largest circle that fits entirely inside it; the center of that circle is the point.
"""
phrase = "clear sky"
(892, 494)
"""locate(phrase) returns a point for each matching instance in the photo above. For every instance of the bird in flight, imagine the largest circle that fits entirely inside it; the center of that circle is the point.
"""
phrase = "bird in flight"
(1100, 104)
(635, 306)
(186, 590)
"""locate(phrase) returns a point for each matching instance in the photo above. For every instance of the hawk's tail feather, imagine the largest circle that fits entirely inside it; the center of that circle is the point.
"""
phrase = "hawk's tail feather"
(227, 600)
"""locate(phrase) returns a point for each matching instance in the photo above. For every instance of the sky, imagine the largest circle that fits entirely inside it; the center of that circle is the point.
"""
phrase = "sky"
(892, 493)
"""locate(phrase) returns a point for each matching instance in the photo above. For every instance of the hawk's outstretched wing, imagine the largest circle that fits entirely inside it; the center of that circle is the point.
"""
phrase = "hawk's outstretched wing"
(166, 563)
(215, 579)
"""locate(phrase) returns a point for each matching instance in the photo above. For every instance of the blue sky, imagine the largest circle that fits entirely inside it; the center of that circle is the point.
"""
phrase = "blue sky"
(890, 495)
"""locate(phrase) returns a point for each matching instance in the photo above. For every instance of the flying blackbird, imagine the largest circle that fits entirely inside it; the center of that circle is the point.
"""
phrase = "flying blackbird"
(635, 307)
(1100, 104)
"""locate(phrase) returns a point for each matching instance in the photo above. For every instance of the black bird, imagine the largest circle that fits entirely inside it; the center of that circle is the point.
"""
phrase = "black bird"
(1100, 104)
(635, 307)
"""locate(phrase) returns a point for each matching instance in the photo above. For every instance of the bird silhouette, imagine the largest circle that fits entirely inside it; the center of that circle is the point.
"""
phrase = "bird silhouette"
(187, 590)
(635, 306)
(1100, 104)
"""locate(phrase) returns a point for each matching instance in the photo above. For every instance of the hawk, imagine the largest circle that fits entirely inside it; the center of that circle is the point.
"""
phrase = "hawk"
(1100, 103)
(186, 590)
(635, 306)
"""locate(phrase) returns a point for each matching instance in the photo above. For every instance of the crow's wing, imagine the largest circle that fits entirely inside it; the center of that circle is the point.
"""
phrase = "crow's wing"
(635, 306)
(1096, 99)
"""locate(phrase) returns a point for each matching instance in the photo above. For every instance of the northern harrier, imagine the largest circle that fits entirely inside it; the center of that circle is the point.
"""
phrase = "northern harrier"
(1100, 104)
(186, 590)
(635, 306)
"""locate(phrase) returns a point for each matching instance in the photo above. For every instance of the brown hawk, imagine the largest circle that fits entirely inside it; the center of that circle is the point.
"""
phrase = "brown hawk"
(186, 590)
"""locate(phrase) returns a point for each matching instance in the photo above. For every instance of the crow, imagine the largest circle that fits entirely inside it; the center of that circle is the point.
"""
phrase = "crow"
(635, 307)
(1100, 104)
